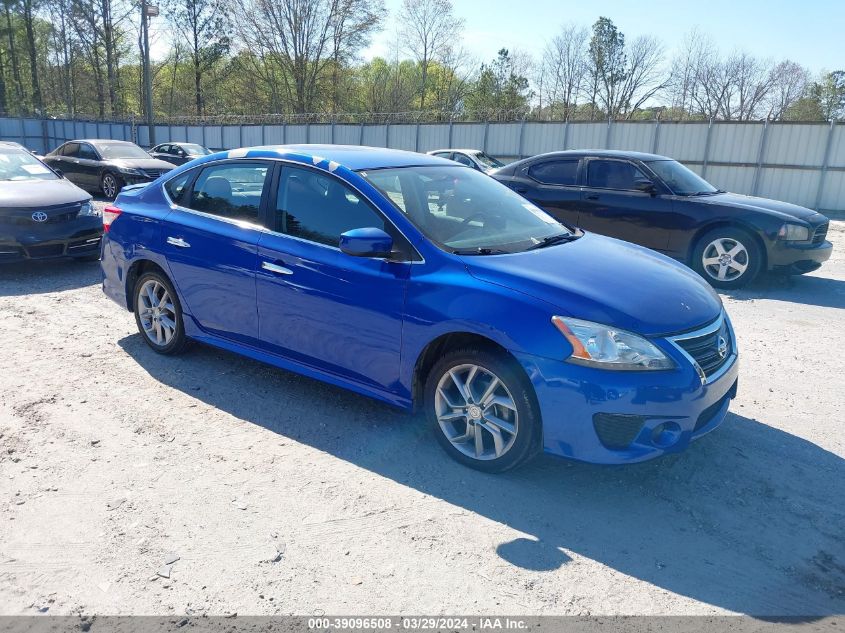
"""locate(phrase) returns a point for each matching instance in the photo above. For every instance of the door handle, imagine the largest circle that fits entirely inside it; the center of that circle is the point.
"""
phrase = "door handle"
(276, 268)
(178, 241)
(592, 196)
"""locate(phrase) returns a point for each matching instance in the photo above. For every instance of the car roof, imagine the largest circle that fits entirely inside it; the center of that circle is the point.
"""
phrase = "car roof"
(609, 153)
(354, 157)
(101, 141)
(456, 149)
(12, 145)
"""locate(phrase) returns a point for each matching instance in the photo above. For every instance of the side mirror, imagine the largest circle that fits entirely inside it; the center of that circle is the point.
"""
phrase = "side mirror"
(368, 242)
(646, 186)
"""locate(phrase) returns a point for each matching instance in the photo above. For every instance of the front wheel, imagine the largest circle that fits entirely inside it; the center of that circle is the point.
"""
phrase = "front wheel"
(727, 257)
(158, 314)
(110, 185)
(483, 410)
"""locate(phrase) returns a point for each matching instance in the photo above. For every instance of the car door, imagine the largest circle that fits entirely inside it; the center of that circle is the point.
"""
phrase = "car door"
(317, 305)
(613, 204)
(88, 166)
(552, 184)
(67, 161)
(210, 241)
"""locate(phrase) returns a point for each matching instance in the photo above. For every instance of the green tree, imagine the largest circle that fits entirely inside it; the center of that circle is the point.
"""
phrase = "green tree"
(498, 87)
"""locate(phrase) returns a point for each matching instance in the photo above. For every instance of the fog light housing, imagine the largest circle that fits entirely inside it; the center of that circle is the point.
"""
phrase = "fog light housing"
(666, 434)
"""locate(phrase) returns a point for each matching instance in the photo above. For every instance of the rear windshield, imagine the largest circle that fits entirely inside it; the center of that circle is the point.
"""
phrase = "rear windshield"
(18, 164)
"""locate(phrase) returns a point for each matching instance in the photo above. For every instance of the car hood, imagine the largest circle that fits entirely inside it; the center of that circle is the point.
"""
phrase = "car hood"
(608, 281)
(142, 163)
(39, 193)
(785, 210)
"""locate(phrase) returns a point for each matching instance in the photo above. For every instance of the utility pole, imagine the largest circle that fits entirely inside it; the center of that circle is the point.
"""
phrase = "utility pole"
(148, 11)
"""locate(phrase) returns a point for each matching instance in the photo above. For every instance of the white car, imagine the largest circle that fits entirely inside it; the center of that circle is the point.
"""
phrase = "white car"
(474, 158)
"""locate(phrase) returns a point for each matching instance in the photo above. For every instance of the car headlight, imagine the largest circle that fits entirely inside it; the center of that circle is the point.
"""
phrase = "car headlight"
(88, 209)
(130, 171)
(794, 233)
(606, 347)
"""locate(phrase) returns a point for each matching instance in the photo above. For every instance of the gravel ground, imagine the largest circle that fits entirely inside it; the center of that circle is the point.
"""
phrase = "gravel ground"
(209, 483)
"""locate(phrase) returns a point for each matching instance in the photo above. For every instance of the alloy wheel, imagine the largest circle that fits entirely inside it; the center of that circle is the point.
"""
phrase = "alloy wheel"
(157, 312)
(725, 259)
(476, 412)
(109, 186)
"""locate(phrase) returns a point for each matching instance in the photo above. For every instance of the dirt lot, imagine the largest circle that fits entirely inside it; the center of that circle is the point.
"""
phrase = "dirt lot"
(276, 494)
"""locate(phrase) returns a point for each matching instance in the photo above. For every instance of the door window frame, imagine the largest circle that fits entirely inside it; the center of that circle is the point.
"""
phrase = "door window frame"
(591, 159)
(580, 171)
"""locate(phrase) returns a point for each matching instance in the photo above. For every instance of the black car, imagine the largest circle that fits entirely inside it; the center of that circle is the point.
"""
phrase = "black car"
(178, 153)
(104, 165)
(42, 215)
(657, 202)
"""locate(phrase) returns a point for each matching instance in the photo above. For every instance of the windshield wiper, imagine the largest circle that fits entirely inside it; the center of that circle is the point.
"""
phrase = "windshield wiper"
(704, 193)
(551, 240)
(479, 251)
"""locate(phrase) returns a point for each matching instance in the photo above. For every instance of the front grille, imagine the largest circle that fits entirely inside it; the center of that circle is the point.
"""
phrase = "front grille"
(56, 215)
(711, 350)
(617, 431)
(821, 233)
(155, 173)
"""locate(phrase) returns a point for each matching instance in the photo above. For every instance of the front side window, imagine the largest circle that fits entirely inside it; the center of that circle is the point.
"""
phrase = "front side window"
(18, 164)
(463, 160)
(488, 161)
(680, 179)
(319, 208)
(465, 211)
(230, 190)
(555, 172)
(86, 152)
(613, 174)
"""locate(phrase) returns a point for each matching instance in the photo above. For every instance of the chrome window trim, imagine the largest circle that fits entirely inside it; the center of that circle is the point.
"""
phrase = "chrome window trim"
(264, 229)
(710, 328)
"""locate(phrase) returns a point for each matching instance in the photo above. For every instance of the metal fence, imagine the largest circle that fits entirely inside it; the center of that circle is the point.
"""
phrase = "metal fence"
(802, 163)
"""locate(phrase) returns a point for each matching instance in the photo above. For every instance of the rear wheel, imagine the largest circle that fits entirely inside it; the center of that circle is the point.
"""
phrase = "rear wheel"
(728, 257)
(110, 185)
(158, 314)
(482, 409)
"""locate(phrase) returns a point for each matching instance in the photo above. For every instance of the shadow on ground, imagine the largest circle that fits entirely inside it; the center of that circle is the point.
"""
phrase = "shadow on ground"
(749, 519)
(47, 275)
(802, 289)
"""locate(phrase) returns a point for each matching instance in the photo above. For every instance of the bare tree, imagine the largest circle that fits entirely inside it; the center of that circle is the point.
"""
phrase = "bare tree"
(563, 69)
(790, 82)
(429, 28)
(644, 76)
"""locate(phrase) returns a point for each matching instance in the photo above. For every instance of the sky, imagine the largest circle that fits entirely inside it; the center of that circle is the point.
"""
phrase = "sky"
(809, 32)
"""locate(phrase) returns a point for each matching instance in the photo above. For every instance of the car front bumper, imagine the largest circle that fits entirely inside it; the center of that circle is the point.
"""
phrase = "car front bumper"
(618, 417)
(798, 257)
(79, 237)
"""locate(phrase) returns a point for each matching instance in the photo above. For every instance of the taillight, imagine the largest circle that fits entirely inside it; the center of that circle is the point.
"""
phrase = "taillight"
(110, 214)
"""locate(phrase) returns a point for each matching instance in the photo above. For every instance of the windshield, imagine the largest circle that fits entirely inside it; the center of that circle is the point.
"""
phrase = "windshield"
(18, 164)
(110, 151)
(488, 161)
(466, 212)
(195, 150)
(681, 180)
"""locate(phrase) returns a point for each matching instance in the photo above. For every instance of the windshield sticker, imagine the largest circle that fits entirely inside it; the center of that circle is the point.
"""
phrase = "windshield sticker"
(35, 169)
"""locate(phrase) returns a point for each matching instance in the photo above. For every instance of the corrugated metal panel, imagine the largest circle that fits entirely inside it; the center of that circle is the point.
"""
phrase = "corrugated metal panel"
(833, 196)
(587, 135)
(214, 137)
(375, 135)
(795, 144)
(633, 137)
(252, 135)
(143, 136)
(543, 137)
(402, 137)
(799, 186)
(683, 141)
(320, 133)
(194, 135)
(274, 135)
(503, 139)
(837, 147)
(736, 179)
(163, 134)
(347, 134)
(735, 142)
(231, 137)
(295, 134)
(434, 136)
(468, 136)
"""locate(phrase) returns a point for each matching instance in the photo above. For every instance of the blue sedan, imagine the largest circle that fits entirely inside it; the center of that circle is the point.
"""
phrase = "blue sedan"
(426, 284)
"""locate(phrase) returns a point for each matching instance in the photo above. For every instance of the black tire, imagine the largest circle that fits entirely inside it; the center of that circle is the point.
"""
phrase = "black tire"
(750, 256)
(110, 185)
(174, 344)
(527, 440)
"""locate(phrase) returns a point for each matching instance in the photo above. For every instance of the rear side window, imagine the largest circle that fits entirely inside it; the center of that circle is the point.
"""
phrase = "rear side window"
(613, 174)
(175, 187)
(319, 208)
(556, 172)
(230, 190)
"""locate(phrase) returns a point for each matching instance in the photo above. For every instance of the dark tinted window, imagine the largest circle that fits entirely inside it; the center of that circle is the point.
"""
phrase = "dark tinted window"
(319, 208)
(163, 149)
(463, 160)
(70, 149)
(87, 152)
(555, 172)
(613, 174)
(176, 186)
(231, 190)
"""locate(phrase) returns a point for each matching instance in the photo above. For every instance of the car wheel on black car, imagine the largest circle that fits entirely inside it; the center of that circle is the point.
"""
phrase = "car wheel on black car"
(482, 409)
(110, 185)
(158, 314)
(727, 257)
